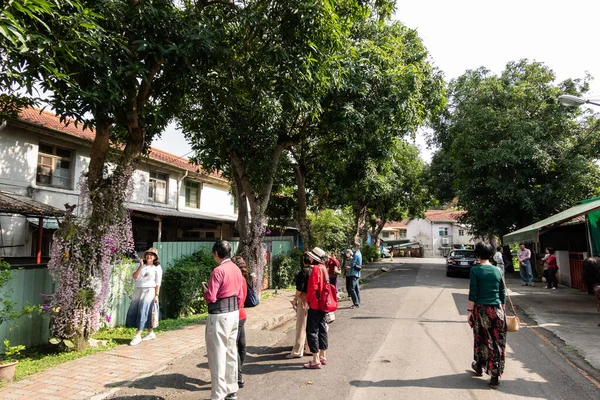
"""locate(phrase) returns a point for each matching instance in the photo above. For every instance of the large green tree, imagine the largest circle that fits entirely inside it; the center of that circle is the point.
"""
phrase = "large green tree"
(126, 83)
(511, 153)
(281, 59)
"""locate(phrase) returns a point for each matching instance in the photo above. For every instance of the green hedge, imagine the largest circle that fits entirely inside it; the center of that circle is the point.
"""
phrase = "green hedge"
(368, 252)
(285, 269)
(182, 284)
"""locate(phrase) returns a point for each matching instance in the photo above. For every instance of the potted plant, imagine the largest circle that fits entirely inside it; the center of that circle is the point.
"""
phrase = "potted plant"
(9, 361)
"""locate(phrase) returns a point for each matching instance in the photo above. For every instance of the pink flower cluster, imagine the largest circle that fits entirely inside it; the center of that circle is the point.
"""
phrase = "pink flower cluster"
(81, 256)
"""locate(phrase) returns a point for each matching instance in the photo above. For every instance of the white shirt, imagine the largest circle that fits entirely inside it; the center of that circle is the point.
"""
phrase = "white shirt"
(150, 276)
(498, 258)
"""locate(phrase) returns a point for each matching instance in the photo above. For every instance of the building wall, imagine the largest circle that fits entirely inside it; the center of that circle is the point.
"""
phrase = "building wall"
(19, 150)
(419, 230)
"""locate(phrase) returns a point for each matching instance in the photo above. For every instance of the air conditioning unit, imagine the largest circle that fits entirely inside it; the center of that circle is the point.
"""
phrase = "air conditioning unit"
(445, 241)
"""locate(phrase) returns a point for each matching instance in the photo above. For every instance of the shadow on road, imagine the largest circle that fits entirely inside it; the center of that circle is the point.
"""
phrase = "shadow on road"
(517, 387)
(175, 381)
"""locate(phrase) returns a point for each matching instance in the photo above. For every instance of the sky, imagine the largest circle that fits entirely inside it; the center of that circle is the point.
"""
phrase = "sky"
(466, 34)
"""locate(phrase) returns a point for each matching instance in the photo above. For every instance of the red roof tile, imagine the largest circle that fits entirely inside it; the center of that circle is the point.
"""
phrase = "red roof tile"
(396, 224)
(443, 215)
(52, 121)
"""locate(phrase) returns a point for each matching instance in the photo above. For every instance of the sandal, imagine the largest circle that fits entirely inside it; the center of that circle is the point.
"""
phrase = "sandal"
(310, 365)
(323, 361)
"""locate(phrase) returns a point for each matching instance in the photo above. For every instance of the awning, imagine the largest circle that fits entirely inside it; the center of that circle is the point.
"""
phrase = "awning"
(529, 234)
(13, 203)
(170, 212)
(49, 223)
(404, 245)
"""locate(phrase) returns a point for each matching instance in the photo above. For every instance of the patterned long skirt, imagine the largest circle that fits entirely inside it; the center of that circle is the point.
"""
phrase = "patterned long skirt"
(489, 334)
(139, 314)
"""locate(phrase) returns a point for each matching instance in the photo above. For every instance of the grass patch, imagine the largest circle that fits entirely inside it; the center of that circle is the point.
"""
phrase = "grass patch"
(44, 357)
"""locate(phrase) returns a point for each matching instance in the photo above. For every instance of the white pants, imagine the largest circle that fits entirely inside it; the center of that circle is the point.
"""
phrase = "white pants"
(221, 336)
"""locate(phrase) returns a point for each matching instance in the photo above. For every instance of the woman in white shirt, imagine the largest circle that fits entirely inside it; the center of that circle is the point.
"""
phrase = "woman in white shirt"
(498, 259)
(148, 277)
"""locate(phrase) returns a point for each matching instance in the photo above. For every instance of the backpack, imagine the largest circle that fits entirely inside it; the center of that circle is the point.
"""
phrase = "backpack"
(251, 297)
(328, 301)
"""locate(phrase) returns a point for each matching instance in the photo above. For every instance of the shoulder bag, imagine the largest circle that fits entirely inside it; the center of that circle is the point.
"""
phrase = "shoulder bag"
(512, 321)
(251, 297)
(328, 301)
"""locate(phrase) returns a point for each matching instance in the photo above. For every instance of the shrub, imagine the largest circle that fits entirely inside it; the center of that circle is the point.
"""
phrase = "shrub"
(284, 270)
(182, 284)
(369, 252)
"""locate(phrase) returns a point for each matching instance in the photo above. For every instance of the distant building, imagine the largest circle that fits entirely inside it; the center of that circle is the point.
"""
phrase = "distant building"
(439, 232)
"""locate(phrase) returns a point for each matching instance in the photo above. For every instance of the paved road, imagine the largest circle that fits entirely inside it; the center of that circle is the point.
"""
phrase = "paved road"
(409, 340)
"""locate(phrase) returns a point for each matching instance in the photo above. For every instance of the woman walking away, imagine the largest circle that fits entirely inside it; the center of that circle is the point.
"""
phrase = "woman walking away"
(301, 307)
(552, 269)
(487, 296)
(316, 325)
(241, 336)
(148, 277)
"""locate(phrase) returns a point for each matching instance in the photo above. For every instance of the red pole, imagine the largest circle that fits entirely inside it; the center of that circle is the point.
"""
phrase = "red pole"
(40, 236)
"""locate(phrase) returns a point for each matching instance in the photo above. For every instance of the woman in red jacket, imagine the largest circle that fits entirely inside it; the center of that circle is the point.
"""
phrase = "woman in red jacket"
(316, 326)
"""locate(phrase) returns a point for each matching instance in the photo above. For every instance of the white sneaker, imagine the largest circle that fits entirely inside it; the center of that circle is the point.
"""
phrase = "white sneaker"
(137, 339)
(150, 336)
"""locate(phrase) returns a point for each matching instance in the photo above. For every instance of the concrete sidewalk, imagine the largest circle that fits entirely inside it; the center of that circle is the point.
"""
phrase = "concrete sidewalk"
(570, 314)
(102, 374)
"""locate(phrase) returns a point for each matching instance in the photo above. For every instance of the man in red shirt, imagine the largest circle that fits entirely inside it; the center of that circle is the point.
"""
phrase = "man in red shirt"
(224, 295)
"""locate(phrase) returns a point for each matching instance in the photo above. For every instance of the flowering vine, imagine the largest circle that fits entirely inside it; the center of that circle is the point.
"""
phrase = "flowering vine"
(82, 252)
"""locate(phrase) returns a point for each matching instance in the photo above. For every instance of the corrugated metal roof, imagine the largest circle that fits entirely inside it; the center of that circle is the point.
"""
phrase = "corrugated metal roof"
(12, 203)
(170, 212)
(529, 233)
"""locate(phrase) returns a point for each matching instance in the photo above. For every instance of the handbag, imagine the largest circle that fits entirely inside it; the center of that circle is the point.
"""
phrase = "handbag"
(252, 299)
(328, 301)
(154, 322)
(512, 321)
(330, 317)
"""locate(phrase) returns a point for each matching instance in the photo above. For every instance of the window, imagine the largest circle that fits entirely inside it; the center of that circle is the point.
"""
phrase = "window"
(54, 166)
(402, 234)
(443, 231)
(157, 189)
(386, 234)
(192, 194)
(461, 232)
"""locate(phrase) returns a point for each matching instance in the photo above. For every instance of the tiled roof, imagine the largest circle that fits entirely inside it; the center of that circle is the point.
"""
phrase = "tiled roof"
(52, 121)
(443, 215)
(396, 224)
(12, 203)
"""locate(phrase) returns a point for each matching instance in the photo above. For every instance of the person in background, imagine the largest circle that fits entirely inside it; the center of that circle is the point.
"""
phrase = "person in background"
(301, 307)
(353, 277)
(552, 280)
(316, 325)
(498, 259)
(486, 315)
(224, 295)
(333, 267)
(391, 253)
(241, 336)
(591, 278)
(524, 258)
(148, 277)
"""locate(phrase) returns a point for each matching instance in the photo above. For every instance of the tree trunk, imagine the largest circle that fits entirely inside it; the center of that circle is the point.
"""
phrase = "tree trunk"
(303, 222)
(377, 230)
(361, 222)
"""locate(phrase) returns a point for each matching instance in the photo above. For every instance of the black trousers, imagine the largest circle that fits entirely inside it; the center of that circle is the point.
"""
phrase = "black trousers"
(316, 331)
(552, 279)
(241, 347)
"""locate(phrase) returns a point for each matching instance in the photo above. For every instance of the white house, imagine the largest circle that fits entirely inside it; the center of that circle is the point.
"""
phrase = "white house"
(42, 159)
(439, 232)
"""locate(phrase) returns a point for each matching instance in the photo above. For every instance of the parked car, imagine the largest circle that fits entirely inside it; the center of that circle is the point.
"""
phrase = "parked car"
(385, 253)
(459, 262)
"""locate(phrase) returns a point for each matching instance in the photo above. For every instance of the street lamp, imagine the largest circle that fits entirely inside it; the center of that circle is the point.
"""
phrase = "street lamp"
(574, 101)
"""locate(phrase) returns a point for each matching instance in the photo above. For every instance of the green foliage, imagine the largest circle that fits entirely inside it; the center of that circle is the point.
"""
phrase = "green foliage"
(332, 229)
(11, 353)
(9, 312)
(284, 270)
(182, 284)
(512, 153)
(370, 252)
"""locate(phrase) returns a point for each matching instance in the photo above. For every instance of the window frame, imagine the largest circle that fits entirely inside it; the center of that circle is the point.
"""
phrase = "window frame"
(55, 158)
(155, 177)
(187, 195)
(445, 230)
